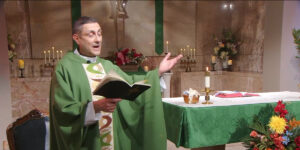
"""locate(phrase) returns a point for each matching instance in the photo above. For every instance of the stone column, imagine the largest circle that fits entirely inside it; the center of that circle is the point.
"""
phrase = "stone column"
(167, 78)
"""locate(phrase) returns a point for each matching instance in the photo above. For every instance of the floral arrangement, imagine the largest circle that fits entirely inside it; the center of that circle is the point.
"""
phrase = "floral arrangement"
(226, 46)
(11, 47)
(281, 133)
(128, 56)
(296, 35)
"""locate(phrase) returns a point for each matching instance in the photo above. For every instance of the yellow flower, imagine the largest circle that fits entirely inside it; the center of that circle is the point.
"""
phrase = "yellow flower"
(277, 124)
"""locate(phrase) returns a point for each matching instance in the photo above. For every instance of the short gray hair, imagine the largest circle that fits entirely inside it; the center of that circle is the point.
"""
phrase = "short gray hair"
(80, 22)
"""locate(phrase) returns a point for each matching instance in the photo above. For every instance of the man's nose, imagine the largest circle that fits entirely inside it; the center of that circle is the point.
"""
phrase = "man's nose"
(98, 39)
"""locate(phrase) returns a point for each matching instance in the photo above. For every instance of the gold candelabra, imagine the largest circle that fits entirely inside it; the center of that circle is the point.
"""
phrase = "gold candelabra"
(51, 58)
(188, 61)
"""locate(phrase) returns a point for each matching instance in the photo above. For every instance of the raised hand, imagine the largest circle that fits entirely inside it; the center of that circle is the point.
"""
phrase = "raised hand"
(166, 64)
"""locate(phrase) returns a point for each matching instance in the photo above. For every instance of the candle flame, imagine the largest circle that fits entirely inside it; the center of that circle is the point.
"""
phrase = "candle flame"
(167, 42)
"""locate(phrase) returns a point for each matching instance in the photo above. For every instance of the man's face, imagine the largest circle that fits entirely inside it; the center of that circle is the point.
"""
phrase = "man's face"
(89, 39)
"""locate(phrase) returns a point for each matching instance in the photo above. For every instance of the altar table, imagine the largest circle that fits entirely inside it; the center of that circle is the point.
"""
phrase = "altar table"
(224, 121)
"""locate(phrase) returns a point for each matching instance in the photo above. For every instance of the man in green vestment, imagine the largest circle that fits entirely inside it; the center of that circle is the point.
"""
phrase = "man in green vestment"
(74, 114)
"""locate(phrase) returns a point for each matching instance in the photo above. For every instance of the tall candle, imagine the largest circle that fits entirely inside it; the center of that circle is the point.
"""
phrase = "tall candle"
(229, 62)
(45, 56)
(184, 52)
(57, 55)
(53, 52)
(207, 78)
(21, 64)
(49, 56)
(167, 46)
(61, 54)
(213, 59)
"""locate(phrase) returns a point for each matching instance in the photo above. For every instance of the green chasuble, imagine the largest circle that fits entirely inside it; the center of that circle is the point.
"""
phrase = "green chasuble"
(137, 125)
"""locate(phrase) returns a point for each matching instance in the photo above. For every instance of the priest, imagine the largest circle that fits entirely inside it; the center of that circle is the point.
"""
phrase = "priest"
(80, 120)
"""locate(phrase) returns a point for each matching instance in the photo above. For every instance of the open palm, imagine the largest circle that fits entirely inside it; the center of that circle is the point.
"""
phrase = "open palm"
(166, 64)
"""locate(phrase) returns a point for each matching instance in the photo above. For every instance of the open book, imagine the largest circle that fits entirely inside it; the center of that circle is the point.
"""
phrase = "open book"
(114, 86)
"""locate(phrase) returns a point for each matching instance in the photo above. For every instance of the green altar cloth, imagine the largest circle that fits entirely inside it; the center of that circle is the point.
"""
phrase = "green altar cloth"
(194, 127)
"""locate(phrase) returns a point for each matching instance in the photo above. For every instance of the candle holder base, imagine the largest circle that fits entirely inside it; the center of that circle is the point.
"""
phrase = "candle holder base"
(188, 62)
(207, 96)
(207, 102)
(213, 66)
(22, 73)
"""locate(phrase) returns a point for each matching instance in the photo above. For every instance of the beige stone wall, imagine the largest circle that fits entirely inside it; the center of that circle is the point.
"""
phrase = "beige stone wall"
(38, 25)
(190, 23)
(50, 24)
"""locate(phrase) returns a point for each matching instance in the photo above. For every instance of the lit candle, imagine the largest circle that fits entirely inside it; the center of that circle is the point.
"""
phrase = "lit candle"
(57, 55)
(229, 62)
(49, 56)
(53, 52)
(21, 64)
(167, 46)
(183, 51)
(213, 59)
(191, 53)
(207, 78)
(45, 56)
(61, 54)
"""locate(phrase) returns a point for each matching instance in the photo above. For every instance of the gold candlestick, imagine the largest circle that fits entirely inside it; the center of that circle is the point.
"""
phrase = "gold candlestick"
(207, 96)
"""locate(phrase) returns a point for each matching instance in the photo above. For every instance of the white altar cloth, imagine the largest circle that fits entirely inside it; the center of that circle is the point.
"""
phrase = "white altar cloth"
(269, 97)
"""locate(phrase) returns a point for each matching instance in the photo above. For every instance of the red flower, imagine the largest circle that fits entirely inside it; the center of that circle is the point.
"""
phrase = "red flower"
(297, 148)
(255, 148)
(297, 141)
(280, 109)
(133, 50)
(120, 60)
(253, 133)
(135, 55)
(125, 51)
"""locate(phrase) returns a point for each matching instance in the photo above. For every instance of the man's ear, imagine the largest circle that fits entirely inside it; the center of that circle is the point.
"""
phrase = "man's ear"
(75, 38)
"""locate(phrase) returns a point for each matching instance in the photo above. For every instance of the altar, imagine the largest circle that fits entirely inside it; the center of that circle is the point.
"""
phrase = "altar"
(224, 121)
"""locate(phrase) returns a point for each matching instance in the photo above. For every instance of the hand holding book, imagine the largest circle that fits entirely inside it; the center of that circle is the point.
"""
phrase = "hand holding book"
(113, 86)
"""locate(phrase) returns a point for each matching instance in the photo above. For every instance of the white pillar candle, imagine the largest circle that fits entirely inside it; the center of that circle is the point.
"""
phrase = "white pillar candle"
(207, 78)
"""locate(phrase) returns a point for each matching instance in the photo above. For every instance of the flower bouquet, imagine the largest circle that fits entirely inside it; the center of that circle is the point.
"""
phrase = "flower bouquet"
(127, 56)
(227, 46)
(11, 47)
(281, 133)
